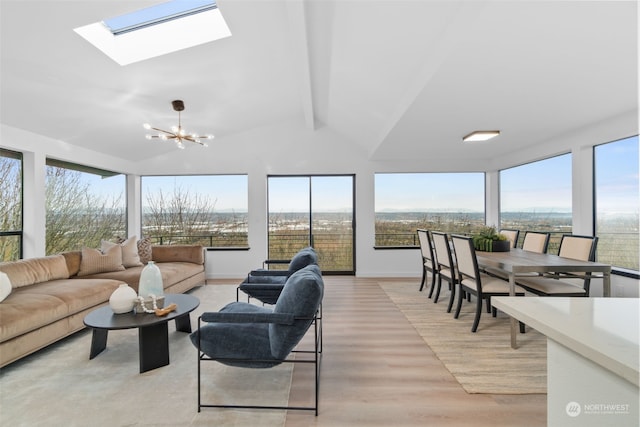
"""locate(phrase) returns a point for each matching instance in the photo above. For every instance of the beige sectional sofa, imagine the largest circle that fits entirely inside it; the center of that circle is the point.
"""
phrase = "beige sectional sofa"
(49, 300)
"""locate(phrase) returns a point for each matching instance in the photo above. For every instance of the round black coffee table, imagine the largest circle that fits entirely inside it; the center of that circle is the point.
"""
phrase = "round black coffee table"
(153, 331)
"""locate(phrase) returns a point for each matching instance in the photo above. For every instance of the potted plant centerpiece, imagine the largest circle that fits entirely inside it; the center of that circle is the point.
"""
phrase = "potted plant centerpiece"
(487, 239)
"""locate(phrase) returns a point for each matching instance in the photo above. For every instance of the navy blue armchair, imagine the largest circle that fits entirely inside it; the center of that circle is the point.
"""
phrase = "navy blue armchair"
(265, 285)
(252, 336)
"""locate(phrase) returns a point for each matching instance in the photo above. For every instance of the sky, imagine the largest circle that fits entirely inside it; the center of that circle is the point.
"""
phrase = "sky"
(539, 186)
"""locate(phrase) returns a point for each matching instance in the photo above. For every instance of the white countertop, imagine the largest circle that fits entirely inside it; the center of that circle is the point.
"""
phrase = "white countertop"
(603, 330)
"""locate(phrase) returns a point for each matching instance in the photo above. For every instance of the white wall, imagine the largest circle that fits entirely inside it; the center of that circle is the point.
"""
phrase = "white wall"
(290, 148)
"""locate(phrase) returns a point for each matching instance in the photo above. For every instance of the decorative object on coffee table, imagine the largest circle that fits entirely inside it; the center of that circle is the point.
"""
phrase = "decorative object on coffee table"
(123, 299)
(489, 240)
(150, 289)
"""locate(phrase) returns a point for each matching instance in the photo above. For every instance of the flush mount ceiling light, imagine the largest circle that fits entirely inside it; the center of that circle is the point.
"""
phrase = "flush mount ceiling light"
(177, 133)
(481, 135)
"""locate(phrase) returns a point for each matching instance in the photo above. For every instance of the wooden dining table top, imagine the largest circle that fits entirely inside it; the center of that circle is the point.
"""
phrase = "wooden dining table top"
(520, 261)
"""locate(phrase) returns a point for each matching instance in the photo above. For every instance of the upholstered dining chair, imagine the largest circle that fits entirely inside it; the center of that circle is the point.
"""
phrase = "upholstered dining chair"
(429, 263)
(512, 236)
(571, 246)
(535, 241)
(446, 266)
(252, 336)
(473, 282)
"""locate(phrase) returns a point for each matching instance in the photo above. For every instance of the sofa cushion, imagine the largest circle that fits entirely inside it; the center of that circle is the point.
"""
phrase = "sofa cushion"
(5, 286)
(26, 272)
(31, 307)
(177, 253)
(93, 261)
(301, 296)
(129, 247)
(73, 259)
(144, 249)
(172, 273)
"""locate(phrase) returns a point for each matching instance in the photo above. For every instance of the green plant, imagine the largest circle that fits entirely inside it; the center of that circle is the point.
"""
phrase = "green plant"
(484, 238)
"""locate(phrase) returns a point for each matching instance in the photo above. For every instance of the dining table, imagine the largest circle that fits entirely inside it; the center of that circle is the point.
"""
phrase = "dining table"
(518, 262)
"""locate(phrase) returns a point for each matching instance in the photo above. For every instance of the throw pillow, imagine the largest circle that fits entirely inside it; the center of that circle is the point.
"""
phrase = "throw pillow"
(5, 286)
(129, 247)
(93, 261)
(144, 250)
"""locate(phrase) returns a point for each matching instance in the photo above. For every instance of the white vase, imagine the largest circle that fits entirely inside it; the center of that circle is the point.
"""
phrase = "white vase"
(150, 281)
(123, 299)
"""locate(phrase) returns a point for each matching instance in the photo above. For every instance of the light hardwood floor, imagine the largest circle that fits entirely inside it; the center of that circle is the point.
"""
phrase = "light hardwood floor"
(377, 371)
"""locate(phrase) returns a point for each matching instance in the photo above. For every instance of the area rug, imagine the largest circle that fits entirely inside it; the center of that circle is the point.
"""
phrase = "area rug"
(60, 386)
(482, 362)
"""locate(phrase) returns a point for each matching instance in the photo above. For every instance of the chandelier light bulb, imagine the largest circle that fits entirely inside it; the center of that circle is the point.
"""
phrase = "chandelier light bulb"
(162, 136)
(210, 136)
(146, 126)
(180, 144)
(175, 129)
(148, 136)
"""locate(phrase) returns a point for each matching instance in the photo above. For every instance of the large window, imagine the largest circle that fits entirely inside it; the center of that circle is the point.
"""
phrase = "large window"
(10, 205)
(84, 205)
(210, 210)
(404, 202)
(313, 210)
(537, 197)
(617, 204)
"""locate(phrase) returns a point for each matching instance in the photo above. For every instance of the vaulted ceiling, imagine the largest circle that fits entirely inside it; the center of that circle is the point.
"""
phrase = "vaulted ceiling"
(399, 79)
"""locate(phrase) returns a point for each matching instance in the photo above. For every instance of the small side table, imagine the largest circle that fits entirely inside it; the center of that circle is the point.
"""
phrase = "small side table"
(153, 331)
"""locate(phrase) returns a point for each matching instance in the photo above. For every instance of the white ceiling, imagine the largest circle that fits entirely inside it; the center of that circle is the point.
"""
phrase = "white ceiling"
(401, 79)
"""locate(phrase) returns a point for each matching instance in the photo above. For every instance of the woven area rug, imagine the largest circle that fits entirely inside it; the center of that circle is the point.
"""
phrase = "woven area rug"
(482, 362)
(60, 386)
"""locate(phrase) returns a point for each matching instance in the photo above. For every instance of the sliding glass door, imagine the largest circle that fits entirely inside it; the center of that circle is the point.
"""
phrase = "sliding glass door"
(317, 211)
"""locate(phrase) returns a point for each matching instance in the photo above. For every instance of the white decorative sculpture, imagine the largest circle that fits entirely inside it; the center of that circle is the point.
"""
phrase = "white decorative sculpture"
(123, 299)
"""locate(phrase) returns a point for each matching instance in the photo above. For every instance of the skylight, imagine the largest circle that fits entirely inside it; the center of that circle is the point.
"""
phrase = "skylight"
(157, 30)
(157, 14)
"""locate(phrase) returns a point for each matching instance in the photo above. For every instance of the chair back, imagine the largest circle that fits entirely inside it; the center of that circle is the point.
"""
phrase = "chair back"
(512, 235)
(535, 242)
(303, 258)
(426, 246)
(301, 296)
(582, 248)
(466, 261)
(442, 249)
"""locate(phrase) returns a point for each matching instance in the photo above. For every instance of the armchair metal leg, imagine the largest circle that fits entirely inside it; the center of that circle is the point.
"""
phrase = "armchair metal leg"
(316, 362)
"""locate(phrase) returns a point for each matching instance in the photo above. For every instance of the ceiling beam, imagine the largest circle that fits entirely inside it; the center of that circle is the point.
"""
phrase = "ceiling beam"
(453, 32)
(297, 24)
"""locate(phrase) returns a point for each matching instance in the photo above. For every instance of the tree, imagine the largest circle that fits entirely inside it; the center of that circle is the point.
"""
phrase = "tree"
(75, 216)
(176, 215)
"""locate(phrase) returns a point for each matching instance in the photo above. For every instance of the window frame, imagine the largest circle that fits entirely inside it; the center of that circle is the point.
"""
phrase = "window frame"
(556, 235)
(20, 232)
(615, 269)
(417, 223)
(206, 240)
